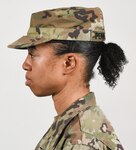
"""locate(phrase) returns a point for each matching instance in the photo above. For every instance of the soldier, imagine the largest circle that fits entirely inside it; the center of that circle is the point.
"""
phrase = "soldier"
(64, 45)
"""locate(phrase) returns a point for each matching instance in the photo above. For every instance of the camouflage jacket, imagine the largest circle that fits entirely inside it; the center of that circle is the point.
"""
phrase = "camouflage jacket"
(82, 126)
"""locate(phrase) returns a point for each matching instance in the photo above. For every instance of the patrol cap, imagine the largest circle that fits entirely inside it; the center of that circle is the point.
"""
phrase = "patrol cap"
(73, 23)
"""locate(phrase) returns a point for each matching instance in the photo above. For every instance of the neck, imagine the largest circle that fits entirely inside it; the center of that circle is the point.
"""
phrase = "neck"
(67, 96)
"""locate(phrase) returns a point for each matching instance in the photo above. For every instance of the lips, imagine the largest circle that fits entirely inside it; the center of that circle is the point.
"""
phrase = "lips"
(28, 81)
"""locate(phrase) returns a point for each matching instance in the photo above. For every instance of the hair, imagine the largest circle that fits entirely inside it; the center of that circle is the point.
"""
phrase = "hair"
(111, 58)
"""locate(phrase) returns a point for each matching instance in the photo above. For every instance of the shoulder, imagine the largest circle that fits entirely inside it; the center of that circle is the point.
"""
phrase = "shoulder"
(92, 128)
(93, 121)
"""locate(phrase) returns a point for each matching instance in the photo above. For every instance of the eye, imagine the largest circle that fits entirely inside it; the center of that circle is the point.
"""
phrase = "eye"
(31, 51)
(31, 55)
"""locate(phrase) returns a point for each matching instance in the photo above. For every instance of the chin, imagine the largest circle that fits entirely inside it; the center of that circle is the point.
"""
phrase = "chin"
(40, 94)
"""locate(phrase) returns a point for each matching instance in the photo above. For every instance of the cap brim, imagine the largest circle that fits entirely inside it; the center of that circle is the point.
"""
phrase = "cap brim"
(26, 42)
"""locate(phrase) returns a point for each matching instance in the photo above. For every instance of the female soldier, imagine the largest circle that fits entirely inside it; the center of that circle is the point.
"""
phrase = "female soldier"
(64, 45)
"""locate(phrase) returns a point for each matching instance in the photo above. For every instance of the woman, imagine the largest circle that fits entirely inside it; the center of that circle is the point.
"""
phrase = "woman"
(64, 45)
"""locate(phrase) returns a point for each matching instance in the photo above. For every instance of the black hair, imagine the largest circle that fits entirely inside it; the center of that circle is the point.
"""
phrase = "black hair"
(111, 58)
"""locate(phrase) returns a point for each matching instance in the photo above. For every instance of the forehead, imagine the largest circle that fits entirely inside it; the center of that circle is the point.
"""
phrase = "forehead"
(45, 47)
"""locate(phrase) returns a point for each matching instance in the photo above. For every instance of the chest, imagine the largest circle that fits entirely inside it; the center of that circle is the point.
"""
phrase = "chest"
(55, 137)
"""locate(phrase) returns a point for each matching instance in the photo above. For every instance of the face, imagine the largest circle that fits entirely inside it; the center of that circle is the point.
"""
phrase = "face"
(43, 70)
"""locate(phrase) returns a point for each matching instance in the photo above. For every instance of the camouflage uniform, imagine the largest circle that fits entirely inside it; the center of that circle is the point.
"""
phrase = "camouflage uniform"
(82, 126)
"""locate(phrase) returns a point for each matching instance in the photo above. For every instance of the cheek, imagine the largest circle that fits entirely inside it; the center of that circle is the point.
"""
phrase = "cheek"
(44, 72)
(47, 80)
(47, 71)
(56, 70)
(53, 74)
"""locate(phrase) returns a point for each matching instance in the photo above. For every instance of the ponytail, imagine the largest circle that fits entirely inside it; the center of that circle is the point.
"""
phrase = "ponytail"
(111, 63)
(111, 58)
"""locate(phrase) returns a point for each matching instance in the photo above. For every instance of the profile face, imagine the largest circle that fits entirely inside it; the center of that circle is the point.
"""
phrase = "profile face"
(43, 70)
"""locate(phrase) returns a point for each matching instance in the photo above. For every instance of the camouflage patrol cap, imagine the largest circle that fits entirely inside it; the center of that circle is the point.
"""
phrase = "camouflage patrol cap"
(73, 23)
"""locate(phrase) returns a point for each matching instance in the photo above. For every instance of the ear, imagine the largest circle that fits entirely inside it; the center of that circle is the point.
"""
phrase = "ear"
(70, 63)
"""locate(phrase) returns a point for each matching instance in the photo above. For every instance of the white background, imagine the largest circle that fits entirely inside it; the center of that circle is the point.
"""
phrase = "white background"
(24, 118)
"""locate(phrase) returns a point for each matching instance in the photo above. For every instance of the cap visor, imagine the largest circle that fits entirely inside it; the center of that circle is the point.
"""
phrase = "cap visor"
(26, 41)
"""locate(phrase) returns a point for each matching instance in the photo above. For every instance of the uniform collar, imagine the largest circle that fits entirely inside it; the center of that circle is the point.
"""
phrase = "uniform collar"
(80, 104)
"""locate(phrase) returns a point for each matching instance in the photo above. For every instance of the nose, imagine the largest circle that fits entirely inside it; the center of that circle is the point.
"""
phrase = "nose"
(27, 64)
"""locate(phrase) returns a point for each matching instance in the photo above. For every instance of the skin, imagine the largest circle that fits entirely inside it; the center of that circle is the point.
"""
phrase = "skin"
(59, 76)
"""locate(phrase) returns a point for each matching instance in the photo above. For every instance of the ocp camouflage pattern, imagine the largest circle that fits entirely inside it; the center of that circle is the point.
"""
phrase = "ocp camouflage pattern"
(73, 23)
(82, 126)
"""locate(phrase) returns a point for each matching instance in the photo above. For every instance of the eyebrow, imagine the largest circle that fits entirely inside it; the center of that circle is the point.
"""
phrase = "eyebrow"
(31, 49)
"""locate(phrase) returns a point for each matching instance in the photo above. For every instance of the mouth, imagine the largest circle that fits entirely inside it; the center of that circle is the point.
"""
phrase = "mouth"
(28, 81)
